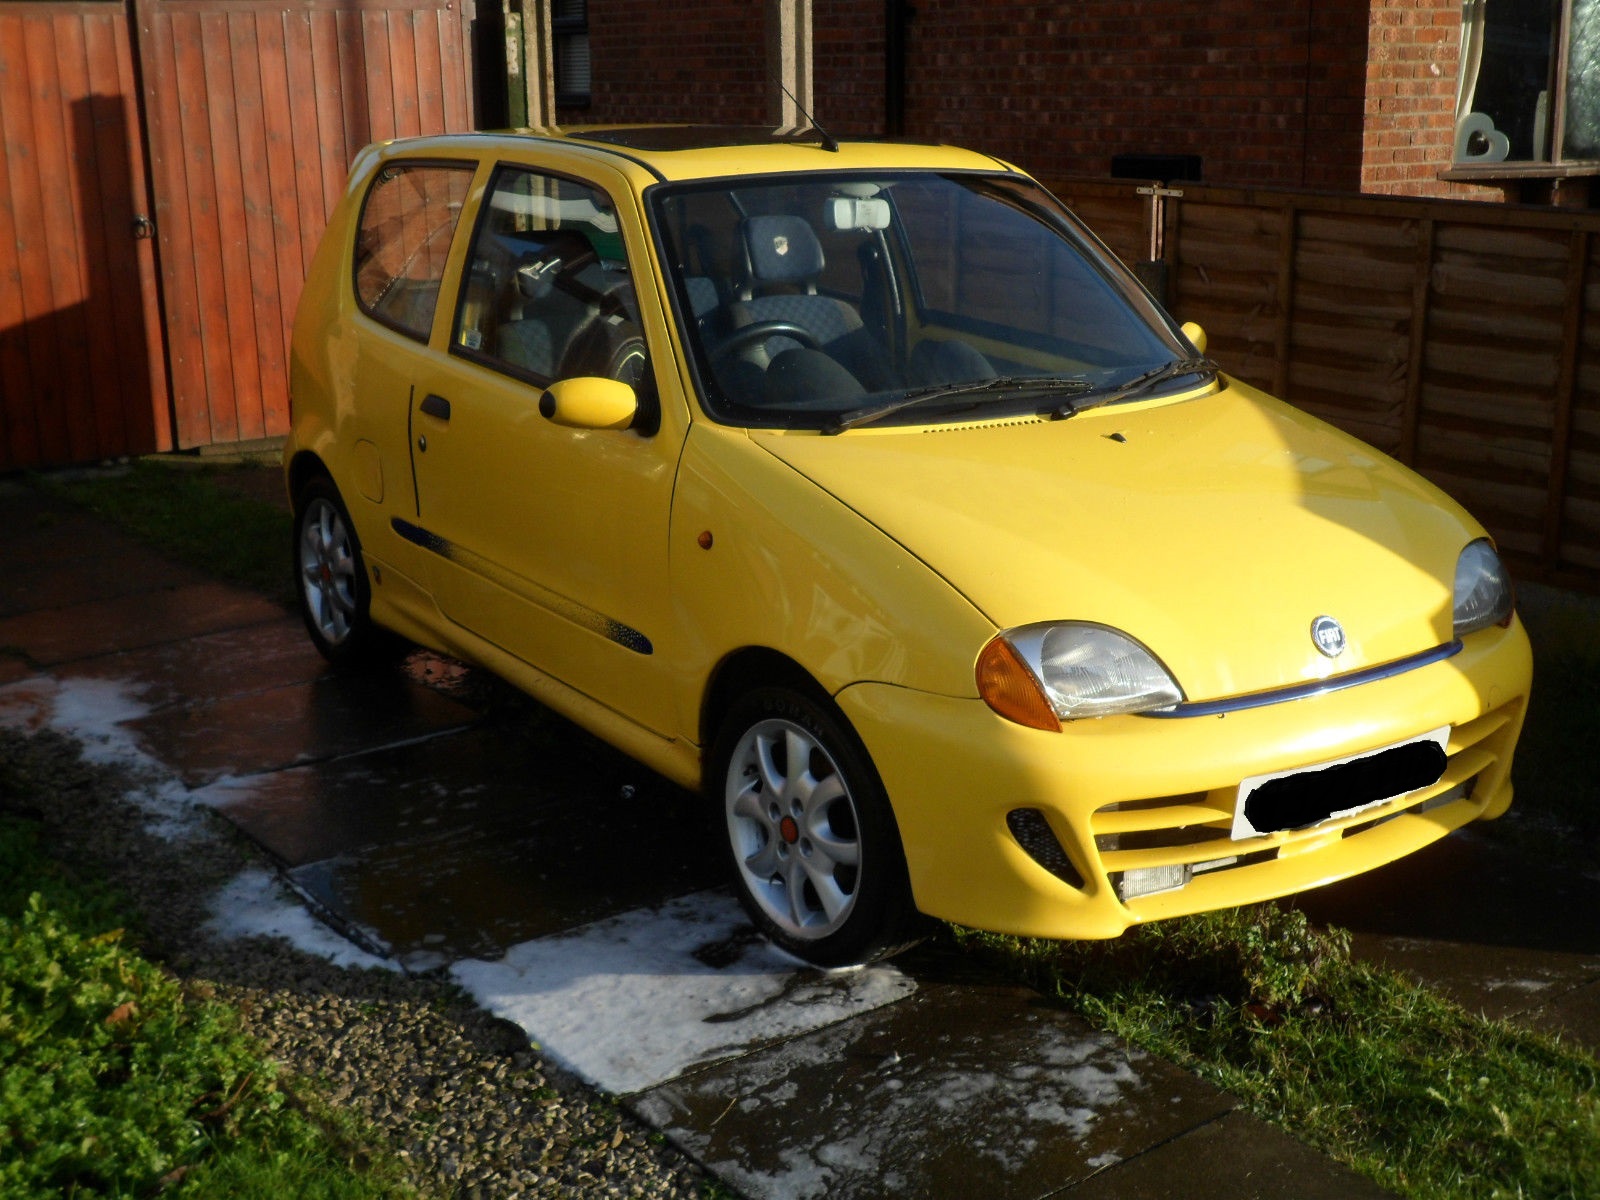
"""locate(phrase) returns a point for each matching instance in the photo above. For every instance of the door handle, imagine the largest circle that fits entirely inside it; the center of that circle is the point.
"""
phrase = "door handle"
(436, 406)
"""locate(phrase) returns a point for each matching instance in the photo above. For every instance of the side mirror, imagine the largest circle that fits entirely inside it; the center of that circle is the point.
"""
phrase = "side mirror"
(1196, 336)
(590, 402)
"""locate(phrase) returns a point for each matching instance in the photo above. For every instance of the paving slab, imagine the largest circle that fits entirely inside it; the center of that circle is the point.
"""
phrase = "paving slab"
(53, 636)
(1499, 982)
(234, 662)
(114, 568)
(465, 845)
(44, 531)
(1235, 1157)
(327, 717)
(1469, 887)
(1572, 1015)
(1497, 931)
(969, 1090)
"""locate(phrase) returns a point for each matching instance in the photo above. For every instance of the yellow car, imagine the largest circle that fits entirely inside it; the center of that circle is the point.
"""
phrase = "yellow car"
(860, 487)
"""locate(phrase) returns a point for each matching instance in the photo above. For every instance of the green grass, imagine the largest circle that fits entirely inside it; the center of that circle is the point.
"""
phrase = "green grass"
(1372, 1069)
(116, 1082)
(192, 514)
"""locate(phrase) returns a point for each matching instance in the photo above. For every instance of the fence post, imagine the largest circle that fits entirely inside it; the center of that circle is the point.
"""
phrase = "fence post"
(1283, 335)
(1566, 385)
(1421, 299)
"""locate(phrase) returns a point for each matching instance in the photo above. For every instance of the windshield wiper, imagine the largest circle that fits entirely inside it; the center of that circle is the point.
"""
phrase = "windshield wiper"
(1002, 385)
(1139, 383)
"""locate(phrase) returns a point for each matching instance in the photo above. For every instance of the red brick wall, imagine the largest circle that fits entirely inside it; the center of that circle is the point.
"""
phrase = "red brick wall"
(1413, 59)
(847, 55)
(1335, 94)
(703, 61)
(1336, 80)
(1265, 94)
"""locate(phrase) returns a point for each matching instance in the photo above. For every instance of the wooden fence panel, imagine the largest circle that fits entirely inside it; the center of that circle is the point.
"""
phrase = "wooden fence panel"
(1113, 209)
(1491, 365)
(81, 371)
(256, 108)
(1578, 544)
(1226, 274)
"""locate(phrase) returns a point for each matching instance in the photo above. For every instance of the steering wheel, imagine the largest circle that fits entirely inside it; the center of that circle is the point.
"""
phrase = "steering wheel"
(742, 339)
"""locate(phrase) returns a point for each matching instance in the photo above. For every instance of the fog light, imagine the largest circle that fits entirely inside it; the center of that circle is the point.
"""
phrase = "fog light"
(1146, 881)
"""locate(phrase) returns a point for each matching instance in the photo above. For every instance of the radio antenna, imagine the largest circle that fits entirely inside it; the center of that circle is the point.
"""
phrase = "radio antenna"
(829, 142)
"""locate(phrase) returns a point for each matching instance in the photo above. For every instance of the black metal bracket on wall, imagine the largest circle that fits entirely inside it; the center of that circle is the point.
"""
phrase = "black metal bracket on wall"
(1153, 271)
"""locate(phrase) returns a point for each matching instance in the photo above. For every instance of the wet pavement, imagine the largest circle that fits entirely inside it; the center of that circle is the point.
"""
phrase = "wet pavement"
(446, 825)
(1500, 934)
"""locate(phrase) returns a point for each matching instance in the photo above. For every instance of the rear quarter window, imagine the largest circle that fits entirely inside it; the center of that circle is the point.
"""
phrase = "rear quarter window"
(408, 220)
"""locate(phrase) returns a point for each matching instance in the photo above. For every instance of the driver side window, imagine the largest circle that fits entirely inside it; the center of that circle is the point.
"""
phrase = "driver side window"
(548, 294)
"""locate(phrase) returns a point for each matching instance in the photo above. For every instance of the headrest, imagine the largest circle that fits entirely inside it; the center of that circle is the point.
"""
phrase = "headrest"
(783, 249)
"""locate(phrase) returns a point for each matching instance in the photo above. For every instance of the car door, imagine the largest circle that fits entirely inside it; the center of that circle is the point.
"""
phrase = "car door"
(399, 261)
(556, 537)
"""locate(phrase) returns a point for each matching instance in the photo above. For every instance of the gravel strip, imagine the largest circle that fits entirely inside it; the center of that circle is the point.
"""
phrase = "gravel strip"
(460, 1094)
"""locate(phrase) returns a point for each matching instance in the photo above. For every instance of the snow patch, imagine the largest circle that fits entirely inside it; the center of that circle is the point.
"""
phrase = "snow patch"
(1528, 986)
(256, 904)
(95, 713)
(635, 1000)
(92, 711)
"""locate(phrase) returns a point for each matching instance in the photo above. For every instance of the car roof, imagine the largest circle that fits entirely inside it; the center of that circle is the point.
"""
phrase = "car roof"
(676, 152)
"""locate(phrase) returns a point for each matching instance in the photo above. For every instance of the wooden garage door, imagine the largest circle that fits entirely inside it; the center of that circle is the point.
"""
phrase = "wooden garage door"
(254, 112)
(81, 365)
(122, 337)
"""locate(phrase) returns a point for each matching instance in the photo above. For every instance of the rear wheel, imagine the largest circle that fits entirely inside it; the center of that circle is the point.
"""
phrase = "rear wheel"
(812, 841)
(334, 594)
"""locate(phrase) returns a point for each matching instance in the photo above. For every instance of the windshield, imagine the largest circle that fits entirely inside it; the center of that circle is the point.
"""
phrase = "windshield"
(831, 301)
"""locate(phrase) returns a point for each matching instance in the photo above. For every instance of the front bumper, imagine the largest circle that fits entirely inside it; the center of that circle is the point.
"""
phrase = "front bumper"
(1132, 794)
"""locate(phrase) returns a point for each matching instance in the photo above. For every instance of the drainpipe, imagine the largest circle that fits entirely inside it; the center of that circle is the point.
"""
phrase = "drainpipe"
(897, 16)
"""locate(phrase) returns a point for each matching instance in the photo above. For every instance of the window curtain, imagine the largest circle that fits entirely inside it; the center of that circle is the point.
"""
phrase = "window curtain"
(1471, 54)
(1581, 138)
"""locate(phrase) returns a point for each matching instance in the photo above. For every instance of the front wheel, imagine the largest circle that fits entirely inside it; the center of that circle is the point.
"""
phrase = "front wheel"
(815, 851)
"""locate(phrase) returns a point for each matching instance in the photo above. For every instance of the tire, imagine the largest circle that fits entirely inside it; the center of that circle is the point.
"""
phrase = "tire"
(331, 584)
(813, 845)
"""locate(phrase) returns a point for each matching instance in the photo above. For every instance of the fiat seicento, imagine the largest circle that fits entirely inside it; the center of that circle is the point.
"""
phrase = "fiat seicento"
(860, 488)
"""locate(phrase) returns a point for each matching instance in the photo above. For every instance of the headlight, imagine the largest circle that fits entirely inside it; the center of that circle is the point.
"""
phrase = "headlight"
(1041, 675)
(1483, 589)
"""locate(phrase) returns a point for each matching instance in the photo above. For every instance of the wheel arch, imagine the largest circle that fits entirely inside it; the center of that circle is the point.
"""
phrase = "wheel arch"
(304, 467)
(743, 670)
(752, 667)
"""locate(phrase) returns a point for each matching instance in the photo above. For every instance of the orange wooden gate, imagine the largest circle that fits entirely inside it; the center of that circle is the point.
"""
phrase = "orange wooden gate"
(82, 373)
(113, 342)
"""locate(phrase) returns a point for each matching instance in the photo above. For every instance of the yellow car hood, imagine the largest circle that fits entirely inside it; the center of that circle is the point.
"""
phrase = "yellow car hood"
(1214, 530)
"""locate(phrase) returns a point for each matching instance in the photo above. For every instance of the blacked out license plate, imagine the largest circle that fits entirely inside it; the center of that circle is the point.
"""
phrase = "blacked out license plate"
(1309, 796)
